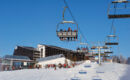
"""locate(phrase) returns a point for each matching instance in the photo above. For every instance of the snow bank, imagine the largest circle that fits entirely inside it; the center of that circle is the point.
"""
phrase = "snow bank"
(110, 71)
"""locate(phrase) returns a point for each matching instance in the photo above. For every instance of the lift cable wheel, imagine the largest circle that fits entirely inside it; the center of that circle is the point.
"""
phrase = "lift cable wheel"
(121, 7)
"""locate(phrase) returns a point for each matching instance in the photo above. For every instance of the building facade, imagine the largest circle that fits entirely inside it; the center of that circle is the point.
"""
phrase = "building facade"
(43, 51)
(49, 50)
(30, 52)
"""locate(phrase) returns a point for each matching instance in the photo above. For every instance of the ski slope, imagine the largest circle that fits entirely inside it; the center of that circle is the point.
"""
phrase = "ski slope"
(107, 71)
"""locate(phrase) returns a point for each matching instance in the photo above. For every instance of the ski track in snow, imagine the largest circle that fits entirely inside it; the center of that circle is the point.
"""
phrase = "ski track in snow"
(107, 71)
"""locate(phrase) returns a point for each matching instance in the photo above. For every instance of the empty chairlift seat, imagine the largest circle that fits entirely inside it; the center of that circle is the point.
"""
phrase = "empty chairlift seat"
(112, 40)
(119, 9)
(87, 66)
(82, 72)
(75, 78)
(111, 43)
(119, 15)
(108, 52)
(96, 78)
(100, 71)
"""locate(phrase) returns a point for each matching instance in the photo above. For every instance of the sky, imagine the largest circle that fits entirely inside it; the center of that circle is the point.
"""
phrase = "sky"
(32, 22)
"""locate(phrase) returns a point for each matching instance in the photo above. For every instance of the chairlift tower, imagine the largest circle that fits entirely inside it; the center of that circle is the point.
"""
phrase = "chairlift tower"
(99, 49)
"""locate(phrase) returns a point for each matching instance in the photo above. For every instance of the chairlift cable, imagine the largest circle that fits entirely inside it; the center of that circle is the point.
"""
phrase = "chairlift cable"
(74, 19)
(112, 26)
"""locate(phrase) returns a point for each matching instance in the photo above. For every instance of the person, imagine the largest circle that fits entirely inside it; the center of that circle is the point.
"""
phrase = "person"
(78, 48)
(20, 67)
(68, 38)
(37, 66)
(54, 67)
(75, 30)
(75, 38)
(13, 68)
(46, 66)
(71, 38)
(61, 30)
(65, 65)
(60, 65)
(69, 29)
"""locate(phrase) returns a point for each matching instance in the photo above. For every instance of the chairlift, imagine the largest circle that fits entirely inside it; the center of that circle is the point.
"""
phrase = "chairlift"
(93, 47)
(119, 9)
(112, 40)
(87, 66)
(96, 78)
(83, 49)
(82, 72)
(106, 56)
(96, 54)
(108, 52)
(105, 47)
(67, 30)
(99, 71)
(75, 78)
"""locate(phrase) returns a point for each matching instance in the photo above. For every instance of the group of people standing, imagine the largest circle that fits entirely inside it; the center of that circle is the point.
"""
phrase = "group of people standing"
(59, 66)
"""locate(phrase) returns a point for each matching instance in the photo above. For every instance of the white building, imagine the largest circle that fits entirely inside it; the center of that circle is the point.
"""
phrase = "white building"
(56, 59)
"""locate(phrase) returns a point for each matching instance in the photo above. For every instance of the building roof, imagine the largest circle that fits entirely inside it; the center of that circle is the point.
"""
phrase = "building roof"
(58, 47)
(16, 57)
(50, 57)
(29, 48)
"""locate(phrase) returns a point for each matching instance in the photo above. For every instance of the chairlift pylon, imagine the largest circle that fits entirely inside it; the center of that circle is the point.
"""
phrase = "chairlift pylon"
(119, 9)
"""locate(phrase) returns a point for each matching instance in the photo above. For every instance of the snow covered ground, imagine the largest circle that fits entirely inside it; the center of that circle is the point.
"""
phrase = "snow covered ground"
(107, 71)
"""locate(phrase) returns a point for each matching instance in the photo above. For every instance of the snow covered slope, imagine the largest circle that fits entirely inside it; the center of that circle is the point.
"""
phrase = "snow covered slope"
(85, 71)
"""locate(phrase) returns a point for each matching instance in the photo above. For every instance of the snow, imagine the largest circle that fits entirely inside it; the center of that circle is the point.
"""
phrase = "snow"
(107, 71)
(53, 61)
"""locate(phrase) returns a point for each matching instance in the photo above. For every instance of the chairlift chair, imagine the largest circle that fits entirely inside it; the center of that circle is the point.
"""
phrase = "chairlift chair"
(82, 47)
(112, 40)
(108, 52)
(96, 54)
(119, 9)
(93, 47)
(83, 50)
(63, 33)
(67, 35)
(105, 47)
(96, 78)
(106, 56)
(75, 78)
(87, 66)
(82, 72)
